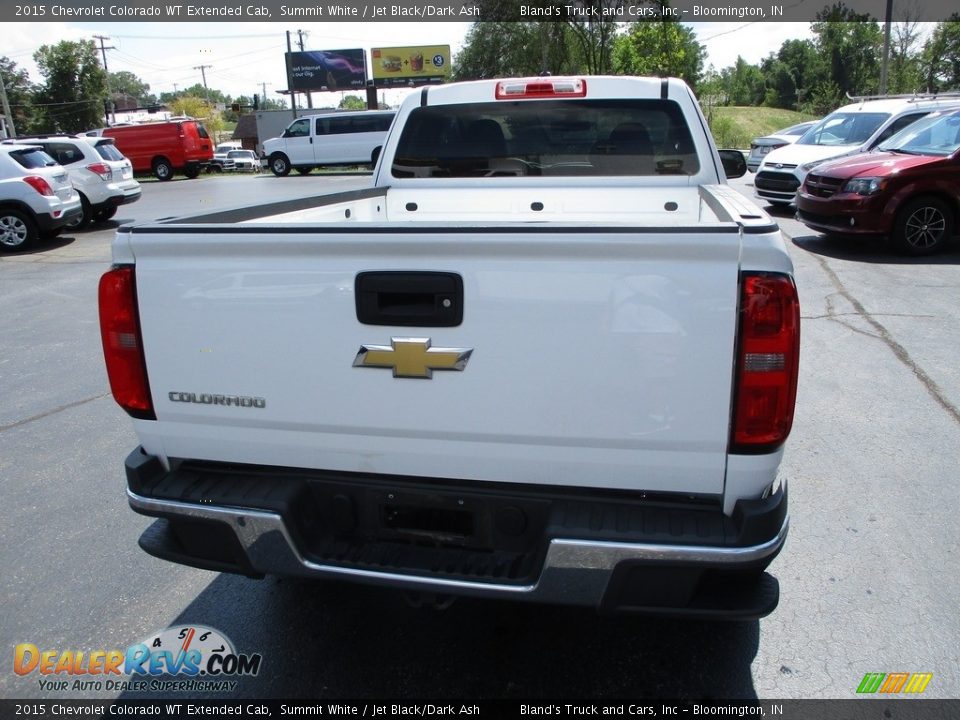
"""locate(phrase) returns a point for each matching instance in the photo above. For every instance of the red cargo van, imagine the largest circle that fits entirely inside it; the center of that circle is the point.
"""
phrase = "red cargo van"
(165, 147)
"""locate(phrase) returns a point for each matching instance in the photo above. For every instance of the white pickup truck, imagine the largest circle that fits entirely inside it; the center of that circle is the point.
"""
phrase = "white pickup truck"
(548, 355)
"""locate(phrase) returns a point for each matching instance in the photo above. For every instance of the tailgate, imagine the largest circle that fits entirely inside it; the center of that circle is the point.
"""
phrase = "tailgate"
(600, 357)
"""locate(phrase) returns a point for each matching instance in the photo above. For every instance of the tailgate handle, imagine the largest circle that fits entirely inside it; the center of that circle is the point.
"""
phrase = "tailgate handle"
(412, 299)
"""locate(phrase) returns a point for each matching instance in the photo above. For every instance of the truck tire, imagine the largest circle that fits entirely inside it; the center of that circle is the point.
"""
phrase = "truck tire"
(192, 171)
(280, 164)
(17, 230)
(162, 169)
(923, 226)
(304, 170)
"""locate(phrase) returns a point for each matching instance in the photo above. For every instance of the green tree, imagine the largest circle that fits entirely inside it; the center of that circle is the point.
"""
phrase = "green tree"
(511, 49)
(593, 38)
(940, 59)
(851, 44)
(199, 108)
(126, 83)
(745, 83)
(19, 95)
(904, 72)
(72, 96)
(781, 88)
(352, 102)
(655, 47)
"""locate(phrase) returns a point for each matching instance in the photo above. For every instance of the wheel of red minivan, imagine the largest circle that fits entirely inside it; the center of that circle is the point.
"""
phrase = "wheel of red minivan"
(279, 164)
(192, 171)
(923, 226)
(163, 169)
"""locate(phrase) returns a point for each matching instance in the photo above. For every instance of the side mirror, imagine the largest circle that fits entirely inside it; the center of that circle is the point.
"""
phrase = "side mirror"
(376, 154)
(734, 164)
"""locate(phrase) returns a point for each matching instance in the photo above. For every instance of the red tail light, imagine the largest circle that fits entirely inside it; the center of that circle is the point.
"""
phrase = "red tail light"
(123, 343)
(768, 355)
(101, 169)
(39, 184)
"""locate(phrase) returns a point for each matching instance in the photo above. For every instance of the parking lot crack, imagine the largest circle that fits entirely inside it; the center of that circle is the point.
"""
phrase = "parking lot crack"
(884, 336)
(53, 411)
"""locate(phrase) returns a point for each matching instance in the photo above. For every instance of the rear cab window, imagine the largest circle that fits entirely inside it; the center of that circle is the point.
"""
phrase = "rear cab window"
(546, 138)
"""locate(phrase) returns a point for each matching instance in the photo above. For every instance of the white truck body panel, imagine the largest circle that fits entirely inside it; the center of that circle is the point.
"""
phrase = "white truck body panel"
(580, 440)
(617, 395)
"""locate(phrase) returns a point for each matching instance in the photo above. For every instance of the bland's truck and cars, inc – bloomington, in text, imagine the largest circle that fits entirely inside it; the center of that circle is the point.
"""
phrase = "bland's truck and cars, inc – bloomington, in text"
(548, 355)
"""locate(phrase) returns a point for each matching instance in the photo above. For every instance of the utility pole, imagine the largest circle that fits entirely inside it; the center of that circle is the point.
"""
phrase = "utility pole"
(293, 98)
(203, 74)
(103, 52)
(7, 115)
(300, 34)
(886, 49)
(264, 95)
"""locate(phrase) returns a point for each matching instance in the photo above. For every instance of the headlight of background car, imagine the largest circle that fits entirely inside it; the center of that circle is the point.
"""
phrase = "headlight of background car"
(864, 185)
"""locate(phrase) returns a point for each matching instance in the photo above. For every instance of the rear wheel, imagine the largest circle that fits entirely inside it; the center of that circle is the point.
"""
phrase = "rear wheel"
(923, 226)
(17, 230)
(162, 169)
(279, 165)
(84, 218)
(105, 214)
(192, 171)
(304, 170)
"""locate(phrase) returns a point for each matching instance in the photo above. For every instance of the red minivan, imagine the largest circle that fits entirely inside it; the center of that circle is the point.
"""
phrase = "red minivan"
(908, 188)
(163, 148)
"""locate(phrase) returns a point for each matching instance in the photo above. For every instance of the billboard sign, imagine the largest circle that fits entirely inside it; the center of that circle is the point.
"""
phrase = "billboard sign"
(416, 65)
(318, 70)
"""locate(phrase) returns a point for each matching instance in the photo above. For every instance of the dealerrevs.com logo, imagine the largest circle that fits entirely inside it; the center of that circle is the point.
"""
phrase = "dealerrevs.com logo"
(190, 658)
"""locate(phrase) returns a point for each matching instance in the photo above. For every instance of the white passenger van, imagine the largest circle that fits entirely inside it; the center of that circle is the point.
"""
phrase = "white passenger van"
(337, 138)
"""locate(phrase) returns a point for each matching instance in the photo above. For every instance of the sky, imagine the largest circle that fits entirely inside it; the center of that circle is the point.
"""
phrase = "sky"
(243, 56)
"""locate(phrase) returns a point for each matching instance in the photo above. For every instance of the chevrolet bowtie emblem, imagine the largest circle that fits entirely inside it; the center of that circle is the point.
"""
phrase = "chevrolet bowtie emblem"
(412, 357)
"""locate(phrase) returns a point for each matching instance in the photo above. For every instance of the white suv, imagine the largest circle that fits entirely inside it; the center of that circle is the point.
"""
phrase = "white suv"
(852, 129)
(36, 197)
(97, 169)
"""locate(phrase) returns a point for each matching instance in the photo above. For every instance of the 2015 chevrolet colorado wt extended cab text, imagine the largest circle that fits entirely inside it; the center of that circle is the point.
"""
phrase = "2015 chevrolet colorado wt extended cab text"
(549, 355)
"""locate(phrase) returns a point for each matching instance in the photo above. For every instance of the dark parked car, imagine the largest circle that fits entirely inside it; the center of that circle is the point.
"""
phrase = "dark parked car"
(908, 188)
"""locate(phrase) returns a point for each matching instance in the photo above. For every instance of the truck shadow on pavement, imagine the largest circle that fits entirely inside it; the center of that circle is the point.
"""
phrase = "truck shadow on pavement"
(331, 640)
(872, 250)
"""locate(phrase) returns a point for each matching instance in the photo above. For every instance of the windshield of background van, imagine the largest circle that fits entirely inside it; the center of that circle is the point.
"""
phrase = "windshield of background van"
(546, 138)
(935, 134)
(844, 129)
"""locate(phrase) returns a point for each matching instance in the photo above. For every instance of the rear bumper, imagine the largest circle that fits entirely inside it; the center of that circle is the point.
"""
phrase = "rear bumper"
(615, 552)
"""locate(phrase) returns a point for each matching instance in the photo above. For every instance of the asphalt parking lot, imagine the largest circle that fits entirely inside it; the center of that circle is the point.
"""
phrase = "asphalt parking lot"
(868, 578)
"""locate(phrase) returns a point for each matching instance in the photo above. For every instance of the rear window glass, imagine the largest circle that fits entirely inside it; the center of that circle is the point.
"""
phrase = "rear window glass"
(108, 151)
(202, 131)
(32, 158)
(546, 138)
